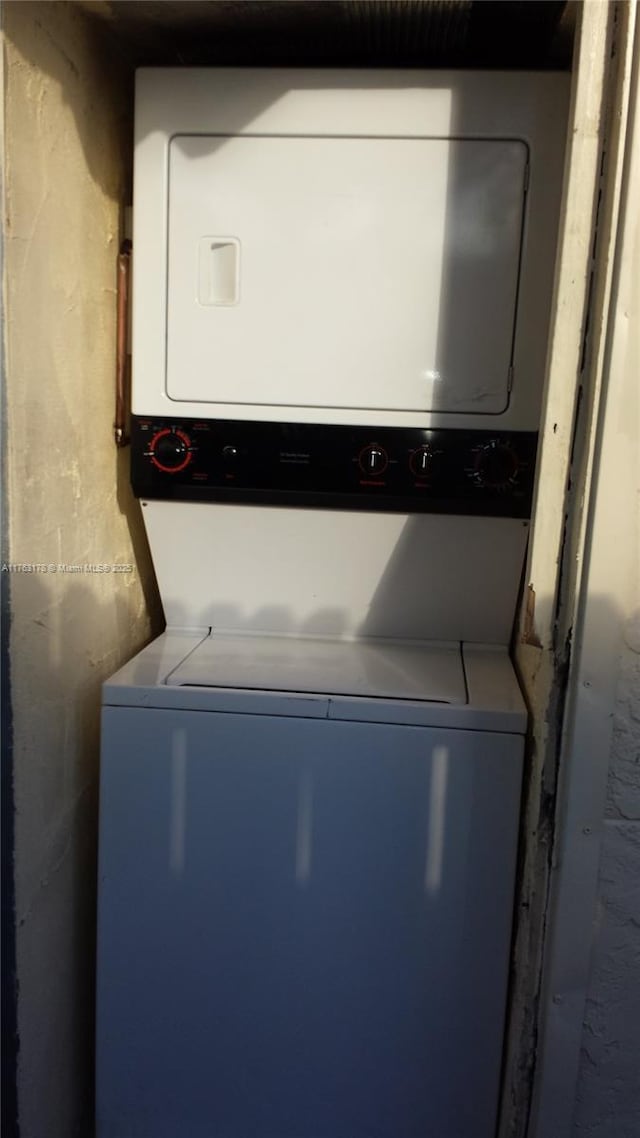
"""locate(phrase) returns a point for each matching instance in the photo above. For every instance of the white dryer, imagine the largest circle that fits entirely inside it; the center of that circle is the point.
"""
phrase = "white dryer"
(306, 875)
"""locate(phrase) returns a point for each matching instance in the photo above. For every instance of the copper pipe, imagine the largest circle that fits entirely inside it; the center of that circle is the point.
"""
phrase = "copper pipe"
(123, 360)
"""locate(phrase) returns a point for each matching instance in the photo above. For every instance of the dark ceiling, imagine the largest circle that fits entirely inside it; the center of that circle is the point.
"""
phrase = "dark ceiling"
(513, 34)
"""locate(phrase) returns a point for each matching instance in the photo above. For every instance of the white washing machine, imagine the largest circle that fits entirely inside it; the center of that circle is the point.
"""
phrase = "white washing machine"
(306, 878)
(310, 782)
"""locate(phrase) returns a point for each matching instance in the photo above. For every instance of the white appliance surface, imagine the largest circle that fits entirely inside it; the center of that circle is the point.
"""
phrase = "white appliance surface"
(345, 246)
(337, 287)
(337, 573)
(468, 686)
(383, 669)
(305, 899)
(310, 783)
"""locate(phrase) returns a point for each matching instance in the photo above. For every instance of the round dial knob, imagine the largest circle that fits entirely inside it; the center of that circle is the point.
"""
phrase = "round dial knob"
(170, 450)
(420, 461)
(496, 466)
(373, 459)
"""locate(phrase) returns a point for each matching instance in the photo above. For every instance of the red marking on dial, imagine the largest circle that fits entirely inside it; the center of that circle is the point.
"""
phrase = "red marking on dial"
(184, 439)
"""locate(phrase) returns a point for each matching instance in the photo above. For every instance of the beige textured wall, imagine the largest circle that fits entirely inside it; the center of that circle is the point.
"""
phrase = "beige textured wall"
(68, 144)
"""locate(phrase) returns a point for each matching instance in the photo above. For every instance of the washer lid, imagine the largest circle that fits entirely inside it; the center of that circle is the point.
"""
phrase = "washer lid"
(387, 669)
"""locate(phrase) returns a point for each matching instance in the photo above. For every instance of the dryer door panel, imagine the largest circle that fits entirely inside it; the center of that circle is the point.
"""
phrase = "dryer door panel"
(365, 273)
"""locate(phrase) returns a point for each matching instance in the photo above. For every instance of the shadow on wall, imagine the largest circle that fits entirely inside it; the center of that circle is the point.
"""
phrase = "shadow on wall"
(66, 179)
(130, 509)
(67, 49)
(61, 624)
(88, 66)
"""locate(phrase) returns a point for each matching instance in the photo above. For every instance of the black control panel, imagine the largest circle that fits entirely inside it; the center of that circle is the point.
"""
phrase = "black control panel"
(400, 469)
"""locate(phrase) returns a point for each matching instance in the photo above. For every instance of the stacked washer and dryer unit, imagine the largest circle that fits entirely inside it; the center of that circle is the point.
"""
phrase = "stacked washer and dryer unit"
(310, 782)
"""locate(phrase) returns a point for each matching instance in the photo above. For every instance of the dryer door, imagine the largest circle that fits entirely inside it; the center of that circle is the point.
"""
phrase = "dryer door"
(364, 273)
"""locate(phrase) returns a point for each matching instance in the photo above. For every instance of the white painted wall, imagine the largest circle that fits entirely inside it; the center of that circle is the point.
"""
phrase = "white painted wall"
(543, 643)
(589, 1040)
(608, 1088)
(67, 145)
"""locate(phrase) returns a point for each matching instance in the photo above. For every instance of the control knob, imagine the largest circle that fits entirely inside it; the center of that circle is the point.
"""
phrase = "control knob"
(170, 450)
(420, 461)
(496, 466)
(373, 459)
